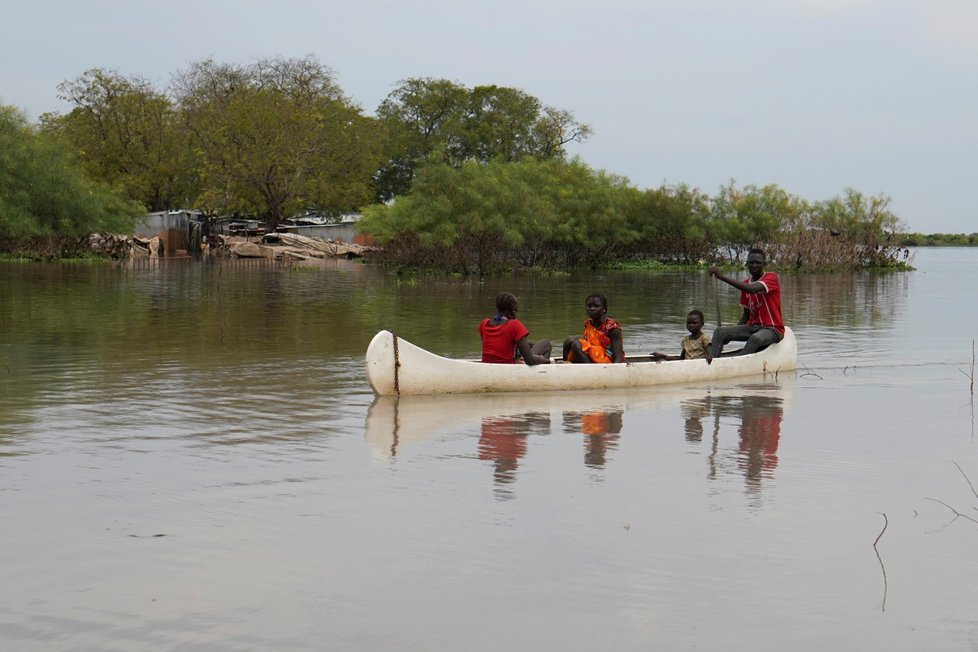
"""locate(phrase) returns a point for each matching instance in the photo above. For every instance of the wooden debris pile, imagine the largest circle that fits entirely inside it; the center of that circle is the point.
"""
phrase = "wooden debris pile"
(152, 247)
(287, 246)
(106, 244)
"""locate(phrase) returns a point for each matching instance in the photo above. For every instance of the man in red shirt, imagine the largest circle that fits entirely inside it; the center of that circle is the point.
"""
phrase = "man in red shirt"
(761, 323)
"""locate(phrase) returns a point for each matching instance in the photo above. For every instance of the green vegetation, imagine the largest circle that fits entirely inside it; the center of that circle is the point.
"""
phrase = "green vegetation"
(461, 180)
(439, 121)
(128, 135)
(47, 201)
(481, 216)
(278, 136)
(268, 139)
(939, 240)
(486, 217)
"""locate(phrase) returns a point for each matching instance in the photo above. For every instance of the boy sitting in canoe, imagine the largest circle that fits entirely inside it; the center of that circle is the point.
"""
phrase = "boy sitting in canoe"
(695, 346)
(504, 337)
(602, 336)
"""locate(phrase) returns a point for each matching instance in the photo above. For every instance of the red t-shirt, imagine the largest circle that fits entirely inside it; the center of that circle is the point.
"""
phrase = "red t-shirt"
(499, 342)
(764, 308)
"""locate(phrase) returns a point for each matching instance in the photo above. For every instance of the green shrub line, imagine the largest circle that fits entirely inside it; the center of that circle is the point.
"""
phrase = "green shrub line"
(938, 240)
(449, 179)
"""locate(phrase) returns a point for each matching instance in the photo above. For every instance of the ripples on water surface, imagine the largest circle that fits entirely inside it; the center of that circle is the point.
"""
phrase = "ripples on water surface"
(190, 458)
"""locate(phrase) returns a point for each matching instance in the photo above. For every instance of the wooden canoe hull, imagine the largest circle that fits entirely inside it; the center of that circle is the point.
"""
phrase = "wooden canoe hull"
(399, 367)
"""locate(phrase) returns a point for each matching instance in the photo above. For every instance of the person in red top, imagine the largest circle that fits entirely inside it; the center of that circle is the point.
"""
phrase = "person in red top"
(761, 324)
(504, 337)
(602, 336)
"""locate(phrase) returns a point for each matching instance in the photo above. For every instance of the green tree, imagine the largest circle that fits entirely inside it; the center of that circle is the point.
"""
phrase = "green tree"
(439, 121)
(277, 137)
(46, 193)
(422, 116)
(590, 221)
(673, 223)
(471, 214)
(743, 218)
(864, 220)
(128, 135)
(499, 124)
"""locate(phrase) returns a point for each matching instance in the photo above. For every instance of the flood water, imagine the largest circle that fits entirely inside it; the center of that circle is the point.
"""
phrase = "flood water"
(191, 458)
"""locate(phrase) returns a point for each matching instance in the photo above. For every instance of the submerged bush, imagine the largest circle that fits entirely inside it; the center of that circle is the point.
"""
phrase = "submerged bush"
(487, 217)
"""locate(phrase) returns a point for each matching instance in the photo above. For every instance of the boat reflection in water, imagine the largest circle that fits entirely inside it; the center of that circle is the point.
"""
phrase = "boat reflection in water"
(394, 424)
(504, 423)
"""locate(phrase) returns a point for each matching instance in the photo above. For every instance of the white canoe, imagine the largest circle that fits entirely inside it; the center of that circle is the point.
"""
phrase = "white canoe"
(395, 366)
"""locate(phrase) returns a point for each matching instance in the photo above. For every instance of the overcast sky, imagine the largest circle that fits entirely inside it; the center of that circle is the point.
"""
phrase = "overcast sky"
(813, 95)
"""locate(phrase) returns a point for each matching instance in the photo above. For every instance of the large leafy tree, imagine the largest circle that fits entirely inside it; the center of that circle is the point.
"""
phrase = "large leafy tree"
(500, 124)
(439, 121)
(128, 135)
(277, 136)
(424, 119)
(46, 193)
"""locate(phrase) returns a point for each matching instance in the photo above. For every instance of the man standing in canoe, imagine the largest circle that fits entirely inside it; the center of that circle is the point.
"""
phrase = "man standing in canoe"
(761, 323)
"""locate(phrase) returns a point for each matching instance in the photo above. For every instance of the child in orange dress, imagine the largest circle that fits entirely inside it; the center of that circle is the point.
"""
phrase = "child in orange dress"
(602, 336)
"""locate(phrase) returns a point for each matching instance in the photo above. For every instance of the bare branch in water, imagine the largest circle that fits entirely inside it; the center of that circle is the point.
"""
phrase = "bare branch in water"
(886, 522)
(966, 479)
(953, 511)
(809, 372)
(971, 376)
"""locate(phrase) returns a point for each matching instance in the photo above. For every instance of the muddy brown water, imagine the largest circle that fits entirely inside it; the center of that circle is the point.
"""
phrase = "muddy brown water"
(191, 458)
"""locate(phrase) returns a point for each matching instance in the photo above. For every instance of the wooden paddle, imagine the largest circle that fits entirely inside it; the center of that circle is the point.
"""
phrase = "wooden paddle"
(716, 296)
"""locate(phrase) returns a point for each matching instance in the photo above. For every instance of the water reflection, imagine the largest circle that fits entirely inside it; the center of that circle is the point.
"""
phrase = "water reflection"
(503, 425)
(601, 430)
(181, 398)
(758, 418)
(193, 313)
(502, 421)
(503, 441)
